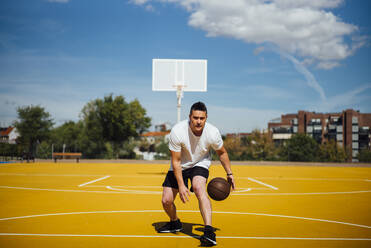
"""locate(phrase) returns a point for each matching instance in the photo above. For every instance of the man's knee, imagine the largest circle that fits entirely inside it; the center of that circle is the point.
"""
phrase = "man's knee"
(199, 188)
(166, 201)
(167, 198)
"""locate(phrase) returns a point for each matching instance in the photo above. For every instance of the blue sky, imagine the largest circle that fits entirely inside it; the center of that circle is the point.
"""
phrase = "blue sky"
(265, 58)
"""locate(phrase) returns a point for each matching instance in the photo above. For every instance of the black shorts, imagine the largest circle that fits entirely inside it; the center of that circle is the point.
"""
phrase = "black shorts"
(170, 180)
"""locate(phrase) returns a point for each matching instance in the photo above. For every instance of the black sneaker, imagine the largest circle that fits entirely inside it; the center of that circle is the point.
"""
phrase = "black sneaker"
(209, 237)
(171, 227)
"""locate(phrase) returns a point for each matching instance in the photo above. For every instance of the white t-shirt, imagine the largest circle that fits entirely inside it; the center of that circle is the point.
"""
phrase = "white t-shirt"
(195, 150)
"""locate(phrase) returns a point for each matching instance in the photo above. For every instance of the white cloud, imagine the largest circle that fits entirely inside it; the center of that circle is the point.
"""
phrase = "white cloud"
(305, 3)
(139, 2)
(301, 30)
(327, 65)
(149, 7)
(300, 27)
(259, 50)
(345, 100)
(58, 1)
(145, 3)
(304, 32)
(310, 79)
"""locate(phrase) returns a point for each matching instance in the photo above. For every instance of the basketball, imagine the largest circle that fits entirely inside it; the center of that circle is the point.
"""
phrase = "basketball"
(218, 189)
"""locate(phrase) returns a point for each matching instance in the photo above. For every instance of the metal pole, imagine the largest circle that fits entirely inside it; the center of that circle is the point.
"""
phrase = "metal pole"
(64, 148)
(179, 110)
(179, 95)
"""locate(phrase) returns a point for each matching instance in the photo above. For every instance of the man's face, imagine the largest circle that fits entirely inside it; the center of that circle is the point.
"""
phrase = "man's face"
(197, 121)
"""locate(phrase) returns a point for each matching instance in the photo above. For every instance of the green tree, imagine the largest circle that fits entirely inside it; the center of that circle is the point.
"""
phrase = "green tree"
(126, 150)
(162, 148)
(44, 150)
(331, 152)
(109, 151)
(234, 148)
(364, 156)
(112, 120)
(34, 125)
(68, 134)
(300, 147)
(261, 146)
(8, 151)
(257, 146)
(92, 143)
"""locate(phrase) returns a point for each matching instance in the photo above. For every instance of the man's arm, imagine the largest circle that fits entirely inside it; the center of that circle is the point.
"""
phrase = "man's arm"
(183, 190)
(224, 159)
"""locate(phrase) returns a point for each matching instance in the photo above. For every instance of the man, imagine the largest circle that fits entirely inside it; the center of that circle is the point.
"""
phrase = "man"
(190, 143)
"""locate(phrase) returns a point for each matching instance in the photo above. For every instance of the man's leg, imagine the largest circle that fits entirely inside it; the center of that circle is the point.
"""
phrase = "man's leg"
(199, 188)
(168, 197)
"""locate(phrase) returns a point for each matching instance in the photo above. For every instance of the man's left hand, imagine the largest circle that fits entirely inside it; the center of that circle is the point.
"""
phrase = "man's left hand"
(230, 180)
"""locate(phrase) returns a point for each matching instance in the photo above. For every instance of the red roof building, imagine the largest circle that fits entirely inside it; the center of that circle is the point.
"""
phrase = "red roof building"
(8, 135)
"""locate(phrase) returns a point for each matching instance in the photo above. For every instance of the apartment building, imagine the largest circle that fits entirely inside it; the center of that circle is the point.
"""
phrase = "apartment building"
(350, 128)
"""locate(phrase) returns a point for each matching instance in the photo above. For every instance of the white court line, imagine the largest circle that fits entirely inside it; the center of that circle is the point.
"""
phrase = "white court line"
(79, 175)
(308, 193)
(242, 190)
(49, 175)
(188, 211)
(309, 179)
(63, 190)
(93, 181)
(129, 189)
(177, 237)
(265, 184)
(125, 186)
(152, 192)
(134, 191)
(144, 176)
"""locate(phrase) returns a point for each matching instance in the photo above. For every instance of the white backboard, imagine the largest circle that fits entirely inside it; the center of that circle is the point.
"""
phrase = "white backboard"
(167, 74)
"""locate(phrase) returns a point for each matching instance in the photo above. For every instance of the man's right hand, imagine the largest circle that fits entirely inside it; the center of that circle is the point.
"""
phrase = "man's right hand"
(184, 193)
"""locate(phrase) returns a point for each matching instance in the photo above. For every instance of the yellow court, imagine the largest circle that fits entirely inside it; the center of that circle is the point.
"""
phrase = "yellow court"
(119, 205)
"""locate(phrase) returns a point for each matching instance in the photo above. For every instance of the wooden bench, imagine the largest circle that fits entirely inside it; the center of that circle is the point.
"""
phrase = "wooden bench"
(67, 155)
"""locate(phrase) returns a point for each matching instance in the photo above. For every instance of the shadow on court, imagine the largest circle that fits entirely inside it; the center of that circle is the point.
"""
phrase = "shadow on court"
(187, 229)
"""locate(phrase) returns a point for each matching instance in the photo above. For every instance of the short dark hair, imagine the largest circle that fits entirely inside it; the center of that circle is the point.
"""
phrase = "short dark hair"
(200, 106)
